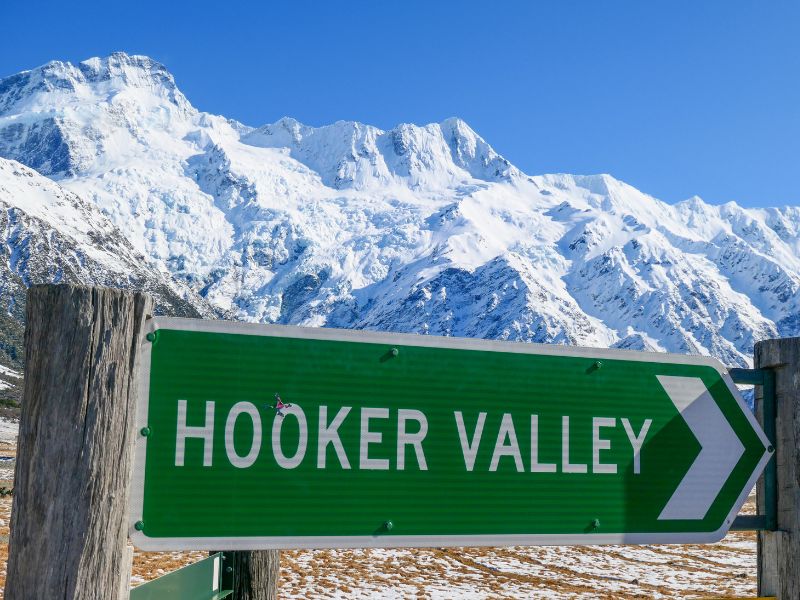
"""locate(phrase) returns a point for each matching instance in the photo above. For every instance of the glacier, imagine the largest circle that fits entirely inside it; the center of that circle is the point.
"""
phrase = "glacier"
(421, 229)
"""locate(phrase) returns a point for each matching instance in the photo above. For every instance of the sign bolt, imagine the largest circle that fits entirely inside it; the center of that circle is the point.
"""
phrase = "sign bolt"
(394, 352)
(151, 337)
(229, 569)
(770, 448)
(139, 525)
(388, 525)
(598, 364)
(145, 431)
(596, 524)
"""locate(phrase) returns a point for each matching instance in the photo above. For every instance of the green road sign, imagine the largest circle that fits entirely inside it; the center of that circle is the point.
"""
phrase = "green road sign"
(256, 436)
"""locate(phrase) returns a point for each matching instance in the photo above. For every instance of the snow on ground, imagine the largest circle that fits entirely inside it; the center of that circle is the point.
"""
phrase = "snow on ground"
(725, 569)
(10, 372)
(698, 571)
(7, 465)
(9, 429)
(9, 379)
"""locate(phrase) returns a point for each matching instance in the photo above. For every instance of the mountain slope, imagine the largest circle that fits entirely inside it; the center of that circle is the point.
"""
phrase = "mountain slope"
(50, 235)
(417, 229)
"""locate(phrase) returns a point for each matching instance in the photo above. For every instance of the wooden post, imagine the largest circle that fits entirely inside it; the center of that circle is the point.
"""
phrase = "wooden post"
(69, 517)
(255, 574)
(779, 551)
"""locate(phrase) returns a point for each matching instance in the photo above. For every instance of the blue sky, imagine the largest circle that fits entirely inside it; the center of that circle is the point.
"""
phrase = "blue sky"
(677, 98)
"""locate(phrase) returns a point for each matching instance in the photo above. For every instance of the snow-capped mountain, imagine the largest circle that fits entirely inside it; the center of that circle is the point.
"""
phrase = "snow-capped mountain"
(417, 229)
(49, 234)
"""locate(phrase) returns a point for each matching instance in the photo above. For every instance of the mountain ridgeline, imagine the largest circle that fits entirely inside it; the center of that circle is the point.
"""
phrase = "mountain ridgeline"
(110, 176)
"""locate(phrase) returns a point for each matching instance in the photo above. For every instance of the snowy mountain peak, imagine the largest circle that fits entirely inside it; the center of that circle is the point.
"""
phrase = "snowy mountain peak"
(472, 153)
(135, 70)
(61, 119)
(35, 89)
(348, 154)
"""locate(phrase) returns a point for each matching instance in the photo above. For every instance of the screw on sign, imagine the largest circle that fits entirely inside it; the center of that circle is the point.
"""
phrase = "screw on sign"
(392, 440)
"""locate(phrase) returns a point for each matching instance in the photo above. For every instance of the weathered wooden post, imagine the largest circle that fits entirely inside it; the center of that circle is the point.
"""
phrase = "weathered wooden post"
(69, 517)
(255, 574)
(779, 551)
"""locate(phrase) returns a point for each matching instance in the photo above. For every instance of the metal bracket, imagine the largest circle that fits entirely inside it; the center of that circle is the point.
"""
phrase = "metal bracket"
(769, 520)
(202, 580)
(227, 571)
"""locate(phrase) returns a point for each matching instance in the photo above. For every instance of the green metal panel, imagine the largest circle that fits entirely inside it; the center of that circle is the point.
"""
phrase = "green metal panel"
(749, 523)
(748, 376)
(263, 483)
(198, 581)
(769, 520)
(771, 470)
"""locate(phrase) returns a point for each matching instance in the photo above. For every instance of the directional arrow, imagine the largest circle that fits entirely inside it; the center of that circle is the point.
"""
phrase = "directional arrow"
(720, 448)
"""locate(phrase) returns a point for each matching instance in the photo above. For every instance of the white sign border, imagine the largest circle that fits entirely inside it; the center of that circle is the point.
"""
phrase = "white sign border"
(136, 505)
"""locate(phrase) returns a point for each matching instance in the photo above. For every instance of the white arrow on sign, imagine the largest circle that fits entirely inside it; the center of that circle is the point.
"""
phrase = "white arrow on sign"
(720, 448)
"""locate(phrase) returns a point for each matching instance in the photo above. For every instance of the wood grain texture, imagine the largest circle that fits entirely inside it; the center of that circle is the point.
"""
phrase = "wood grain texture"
(779, 551)
(69, 518)
(255, 575)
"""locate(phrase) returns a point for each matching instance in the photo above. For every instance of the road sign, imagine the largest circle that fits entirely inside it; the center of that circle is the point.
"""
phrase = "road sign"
(257, 436)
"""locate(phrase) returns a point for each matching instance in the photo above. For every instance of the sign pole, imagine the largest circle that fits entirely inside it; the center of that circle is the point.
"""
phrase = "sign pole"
(72, 480)
(255, 574)
(779, 551)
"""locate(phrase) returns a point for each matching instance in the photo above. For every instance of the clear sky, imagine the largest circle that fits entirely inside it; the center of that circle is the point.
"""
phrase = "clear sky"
(676, 97)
